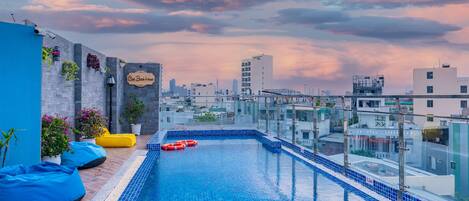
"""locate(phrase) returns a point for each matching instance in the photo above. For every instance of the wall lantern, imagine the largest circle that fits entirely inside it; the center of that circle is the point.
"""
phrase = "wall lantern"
(110, 82)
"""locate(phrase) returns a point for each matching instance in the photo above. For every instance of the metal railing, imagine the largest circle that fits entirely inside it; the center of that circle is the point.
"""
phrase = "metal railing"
(272, 112)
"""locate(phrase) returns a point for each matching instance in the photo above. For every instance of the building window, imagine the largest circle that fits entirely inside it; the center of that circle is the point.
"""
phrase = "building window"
(305, 135)
(429, 103)
(430, 89)
(430, 118)
(464, 104)
(429, 75)
(432, 162)
(443, 123)
(452, 165)
(463, 89)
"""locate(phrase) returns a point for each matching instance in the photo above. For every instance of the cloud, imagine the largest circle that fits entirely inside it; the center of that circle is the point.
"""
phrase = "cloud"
(386, 28)
(310, 16)
(389, 28)
(75, 5)
(80, 16)
(94, 22)
(388, 4)
(202, 5)
(324, 64)
(187, 13)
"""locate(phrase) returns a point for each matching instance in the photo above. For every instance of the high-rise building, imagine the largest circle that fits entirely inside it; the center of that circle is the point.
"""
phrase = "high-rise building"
(439, 81)
(256, 74)
(234, 88)
(172, 85)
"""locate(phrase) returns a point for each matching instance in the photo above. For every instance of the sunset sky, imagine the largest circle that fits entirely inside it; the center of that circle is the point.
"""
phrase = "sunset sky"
(321, 43)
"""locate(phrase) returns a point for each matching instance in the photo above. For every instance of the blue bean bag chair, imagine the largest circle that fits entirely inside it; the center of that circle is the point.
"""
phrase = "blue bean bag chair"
(42, 182)
(84, 155)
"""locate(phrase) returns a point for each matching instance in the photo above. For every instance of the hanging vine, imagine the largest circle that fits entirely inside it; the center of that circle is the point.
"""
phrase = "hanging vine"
(47, 55)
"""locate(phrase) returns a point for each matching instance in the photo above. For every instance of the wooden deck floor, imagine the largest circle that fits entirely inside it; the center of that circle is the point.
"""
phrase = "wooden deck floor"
(97, 177)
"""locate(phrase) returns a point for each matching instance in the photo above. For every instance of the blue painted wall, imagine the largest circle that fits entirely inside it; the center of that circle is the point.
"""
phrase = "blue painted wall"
(20, 91)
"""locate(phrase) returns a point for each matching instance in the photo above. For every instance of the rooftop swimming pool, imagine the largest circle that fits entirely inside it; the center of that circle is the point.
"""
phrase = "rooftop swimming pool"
(239, 168)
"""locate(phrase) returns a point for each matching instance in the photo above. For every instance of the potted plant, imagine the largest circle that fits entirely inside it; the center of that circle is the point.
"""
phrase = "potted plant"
(5, 143)
(90, 124)
(133, 112)
(54, 138)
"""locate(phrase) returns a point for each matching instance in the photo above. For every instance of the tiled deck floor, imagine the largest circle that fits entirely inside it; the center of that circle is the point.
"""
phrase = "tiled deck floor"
(97, 177)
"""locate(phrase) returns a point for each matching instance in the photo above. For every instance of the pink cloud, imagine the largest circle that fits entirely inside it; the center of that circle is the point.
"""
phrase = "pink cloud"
(110, 22)
(461, 36)
(451, 13)
(187, 13)
(75, 5)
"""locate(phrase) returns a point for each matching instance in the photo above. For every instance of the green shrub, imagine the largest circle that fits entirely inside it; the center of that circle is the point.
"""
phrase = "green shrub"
(5, 143)
(47, 56)
(54, 139)
(70, 70)
(134, 110)
(207, 117)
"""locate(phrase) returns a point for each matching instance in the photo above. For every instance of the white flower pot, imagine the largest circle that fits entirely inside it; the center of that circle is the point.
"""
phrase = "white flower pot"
(136, 128)
(52, 159)
(92, 141)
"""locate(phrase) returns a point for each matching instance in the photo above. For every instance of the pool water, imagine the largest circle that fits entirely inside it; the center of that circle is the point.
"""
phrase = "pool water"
(237, 168)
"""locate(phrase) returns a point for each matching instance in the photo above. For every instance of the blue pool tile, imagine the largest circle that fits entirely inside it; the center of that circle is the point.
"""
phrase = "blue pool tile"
(133, 189)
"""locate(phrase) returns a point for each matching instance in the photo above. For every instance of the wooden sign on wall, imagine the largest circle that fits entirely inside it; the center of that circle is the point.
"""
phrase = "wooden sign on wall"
(140, 78)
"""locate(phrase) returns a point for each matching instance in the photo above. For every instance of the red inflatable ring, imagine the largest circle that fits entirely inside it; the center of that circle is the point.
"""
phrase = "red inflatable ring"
(189, 143)
(173, 146)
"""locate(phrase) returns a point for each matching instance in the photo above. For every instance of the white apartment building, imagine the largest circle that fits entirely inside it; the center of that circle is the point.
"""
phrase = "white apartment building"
(203, 95)
(304, 126)
(256, 74)
(378, 133)
(438, 81)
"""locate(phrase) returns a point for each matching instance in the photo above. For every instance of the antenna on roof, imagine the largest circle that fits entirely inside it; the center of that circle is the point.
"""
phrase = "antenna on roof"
(13, 17)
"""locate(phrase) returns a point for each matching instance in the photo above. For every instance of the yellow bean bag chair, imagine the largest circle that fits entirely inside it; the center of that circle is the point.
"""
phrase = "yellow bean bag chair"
(116, 140)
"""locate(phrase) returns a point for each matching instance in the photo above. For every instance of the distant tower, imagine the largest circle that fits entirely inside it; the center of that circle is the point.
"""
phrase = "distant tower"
(235, 87)
(172, 85)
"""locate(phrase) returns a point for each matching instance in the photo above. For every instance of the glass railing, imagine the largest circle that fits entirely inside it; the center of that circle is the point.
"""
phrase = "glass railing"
(207, 112)
(428, 157)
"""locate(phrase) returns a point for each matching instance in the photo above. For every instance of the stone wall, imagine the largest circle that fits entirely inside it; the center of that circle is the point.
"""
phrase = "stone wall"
(148, 94)
(57, 93)
(90, 89)
(67, 98)
(117, 71)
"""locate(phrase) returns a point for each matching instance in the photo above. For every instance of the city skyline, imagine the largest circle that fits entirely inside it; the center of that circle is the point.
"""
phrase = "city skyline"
(324, 45)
